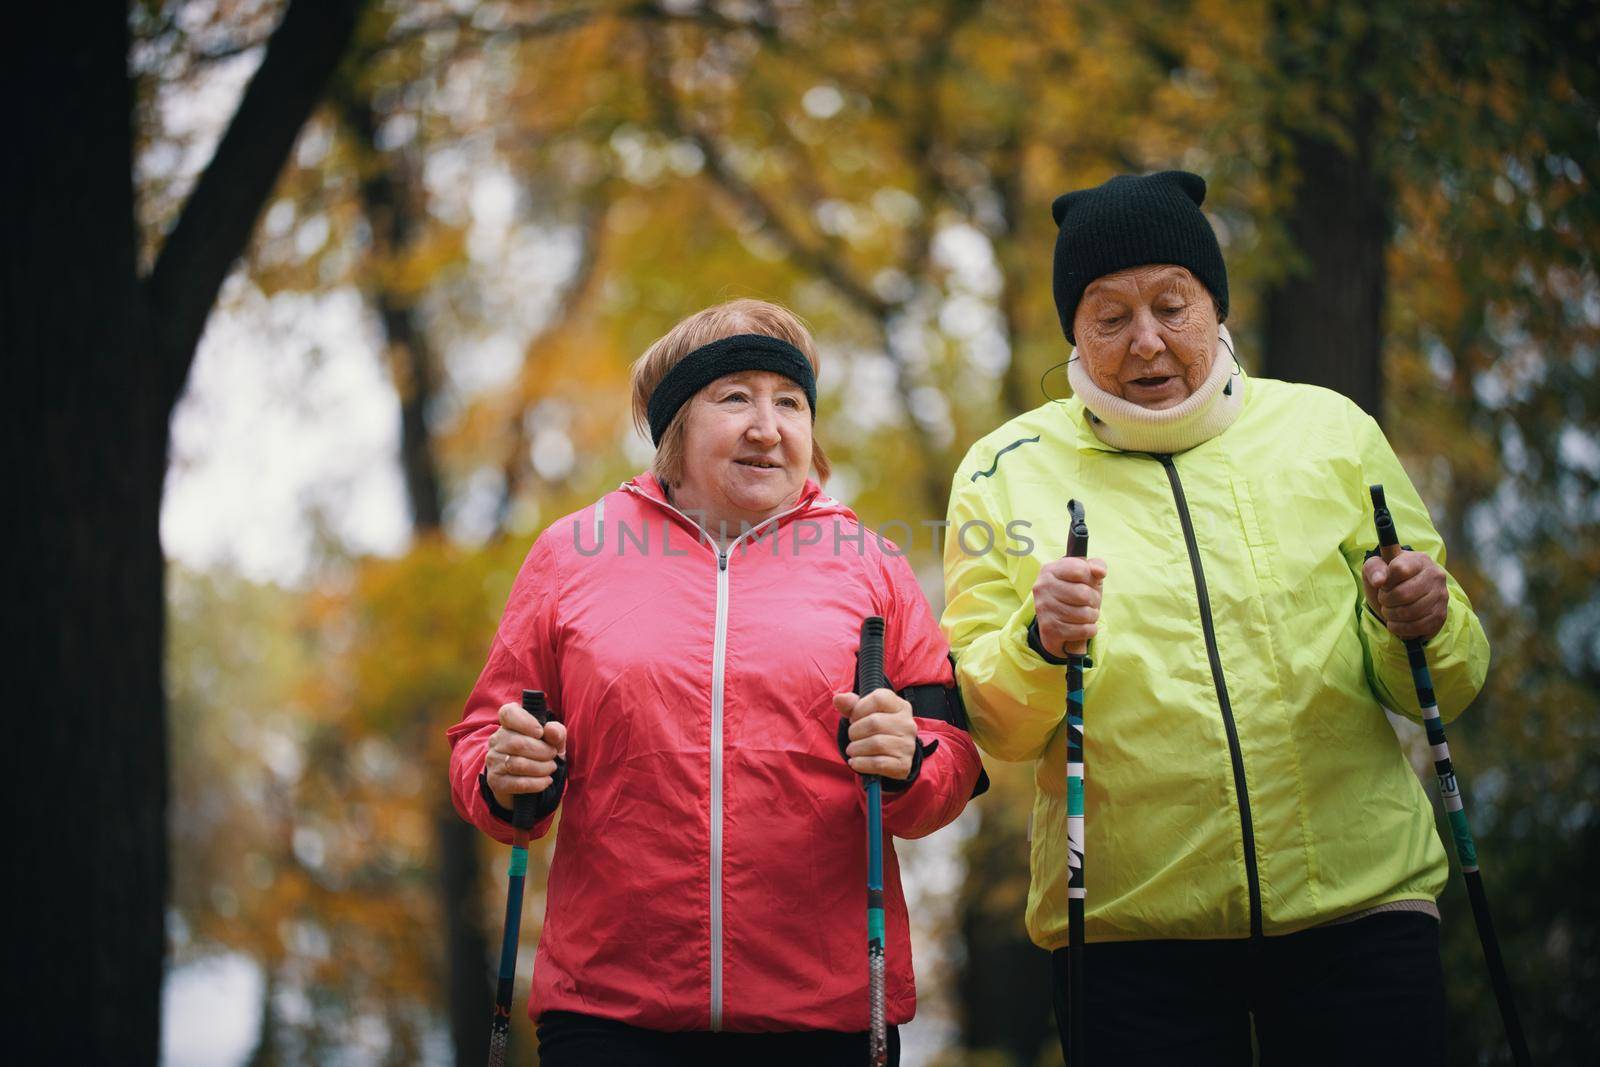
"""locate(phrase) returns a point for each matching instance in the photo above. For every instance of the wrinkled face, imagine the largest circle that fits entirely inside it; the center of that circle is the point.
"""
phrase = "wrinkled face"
(1147, 334)
(747, 444)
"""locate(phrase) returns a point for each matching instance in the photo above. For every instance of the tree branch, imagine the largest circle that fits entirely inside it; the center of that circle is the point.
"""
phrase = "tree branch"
(579, 287)
(220, 214)
(390, 191)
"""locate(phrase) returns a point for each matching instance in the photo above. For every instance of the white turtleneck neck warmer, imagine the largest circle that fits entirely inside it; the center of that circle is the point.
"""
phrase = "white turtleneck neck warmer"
(1206, 412)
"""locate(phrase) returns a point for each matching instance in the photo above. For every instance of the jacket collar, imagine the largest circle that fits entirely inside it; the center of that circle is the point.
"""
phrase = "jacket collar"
(812, 503)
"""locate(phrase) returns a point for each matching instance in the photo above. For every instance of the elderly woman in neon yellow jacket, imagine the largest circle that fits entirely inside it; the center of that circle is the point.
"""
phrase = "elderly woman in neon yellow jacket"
(1259, 849)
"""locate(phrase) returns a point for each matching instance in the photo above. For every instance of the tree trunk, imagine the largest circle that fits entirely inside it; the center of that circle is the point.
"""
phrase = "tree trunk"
(1324, 321)
(88, 851)
(460, 876)
(391, 195)
(95, 383)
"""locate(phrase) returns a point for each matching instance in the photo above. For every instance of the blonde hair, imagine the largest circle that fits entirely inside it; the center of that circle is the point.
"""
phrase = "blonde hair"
(701, 328)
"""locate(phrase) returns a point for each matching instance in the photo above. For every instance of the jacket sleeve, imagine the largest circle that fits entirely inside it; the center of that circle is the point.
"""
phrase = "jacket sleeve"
(1458, 655)
(1015, 699)
(916, 654)
(523, 656)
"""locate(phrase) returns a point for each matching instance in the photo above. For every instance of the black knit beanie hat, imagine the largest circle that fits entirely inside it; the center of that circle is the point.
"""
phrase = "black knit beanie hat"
(1134, 221)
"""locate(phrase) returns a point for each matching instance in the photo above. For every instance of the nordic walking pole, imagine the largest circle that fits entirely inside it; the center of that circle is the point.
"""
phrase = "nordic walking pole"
(522, 820)
(869, 677)
(1077, 546)
(1455, 809)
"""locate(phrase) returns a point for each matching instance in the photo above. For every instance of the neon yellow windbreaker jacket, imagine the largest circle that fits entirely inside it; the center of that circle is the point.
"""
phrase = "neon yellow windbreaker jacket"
(1244, 785)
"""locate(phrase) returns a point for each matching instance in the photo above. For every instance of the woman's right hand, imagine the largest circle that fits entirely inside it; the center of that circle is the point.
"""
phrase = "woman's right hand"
(1066, 603)
(522, 754)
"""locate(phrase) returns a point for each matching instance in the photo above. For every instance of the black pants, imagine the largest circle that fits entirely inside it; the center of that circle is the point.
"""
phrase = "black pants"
(1367, 992)
(568, 1039)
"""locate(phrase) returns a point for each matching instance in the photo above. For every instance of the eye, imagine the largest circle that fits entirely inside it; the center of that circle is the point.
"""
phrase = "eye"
(1112, 321)
(791, 402)
(734, 398)
(1172, 309)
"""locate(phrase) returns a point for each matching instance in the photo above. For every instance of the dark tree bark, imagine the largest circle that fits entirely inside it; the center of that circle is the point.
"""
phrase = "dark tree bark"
(1324, 321)
(391, 197)
(391, 190)
(88, 867)
(99, 357)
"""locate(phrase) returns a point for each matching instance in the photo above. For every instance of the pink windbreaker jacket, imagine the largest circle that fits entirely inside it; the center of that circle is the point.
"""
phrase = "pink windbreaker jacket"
(710, 870)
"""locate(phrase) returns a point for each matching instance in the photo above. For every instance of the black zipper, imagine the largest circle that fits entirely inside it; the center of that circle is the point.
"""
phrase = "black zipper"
(1252, 877)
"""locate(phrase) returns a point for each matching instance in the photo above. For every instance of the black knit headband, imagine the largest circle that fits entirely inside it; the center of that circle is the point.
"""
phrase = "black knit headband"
(729, 355)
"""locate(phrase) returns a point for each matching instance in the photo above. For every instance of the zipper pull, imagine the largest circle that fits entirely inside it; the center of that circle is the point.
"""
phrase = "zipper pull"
(722, 561)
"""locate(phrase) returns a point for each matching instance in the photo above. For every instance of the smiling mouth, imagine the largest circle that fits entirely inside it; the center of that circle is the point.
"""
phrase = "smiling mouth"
(759, 464)
(1150, 383)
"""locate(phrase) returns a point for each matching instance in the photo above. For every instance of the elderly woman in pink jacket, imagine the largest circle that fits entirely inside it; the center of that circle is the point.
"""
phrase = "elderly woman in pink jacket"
(696, 634)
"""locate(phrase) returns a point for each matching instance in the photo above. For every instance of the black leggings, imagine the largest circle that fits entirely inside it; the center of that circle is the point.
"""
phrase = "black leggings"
(1370, 991)
(568, 1039)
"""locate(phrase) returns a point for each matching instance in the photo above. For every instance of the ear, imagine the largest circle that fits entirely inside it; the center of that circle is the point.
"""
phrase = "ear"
(1193, 186)
(1063, 204)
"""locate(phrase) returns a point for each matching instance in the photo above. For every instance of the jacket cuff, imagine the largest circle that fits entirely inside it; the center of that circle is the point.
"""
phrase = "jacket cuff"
(503, 814)
(1037, 644)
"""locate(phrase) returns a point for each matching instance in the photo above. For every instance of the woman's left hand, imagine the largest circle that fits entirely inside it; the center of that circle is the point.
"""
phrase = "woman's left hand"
(883, 733)
(1409, 593)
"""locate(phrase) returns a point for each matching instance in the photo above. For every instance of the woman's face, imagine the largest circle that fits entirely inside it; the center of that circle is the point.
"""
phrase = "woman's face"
(747, 444)
(1147, 334)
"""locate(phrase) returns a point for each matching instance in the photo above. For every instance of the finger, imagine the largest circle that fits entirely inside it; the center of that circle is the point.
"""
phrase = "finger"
(1374, 572)
(507, 743)
(523, 767)
(883, 766)
(540, 760)
(1424, 627)
(1097, 570)
(1073, 569)
(1074, 638)
(843, 703)
(1411, 589)
(518, 784)
(514, 718)
(1068, 594)
(1431, 603)
(1068, 614)
(880, 702)
(881, 745)
(555, 735)
(883, 723)
(1408, 565)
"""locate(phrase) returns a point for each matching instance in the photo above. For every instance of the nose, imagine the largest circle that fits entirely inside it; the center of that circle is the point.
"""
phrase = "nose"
(763, 426)
(1147, 343)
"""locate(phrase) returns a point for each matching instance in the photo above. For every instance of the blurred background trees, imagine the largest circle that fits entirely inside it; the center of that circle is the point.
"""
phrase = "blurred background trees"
(497, 206)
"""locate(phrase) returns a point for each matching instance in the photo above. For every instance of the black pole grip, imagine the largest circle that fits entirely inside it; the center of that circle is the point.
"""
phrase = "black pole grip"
(524, 810)
(1388, 536)
(1077, 531)
(869, 664)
